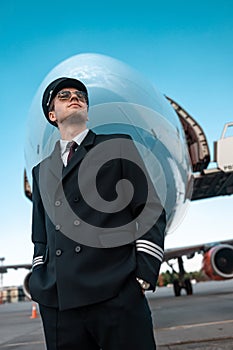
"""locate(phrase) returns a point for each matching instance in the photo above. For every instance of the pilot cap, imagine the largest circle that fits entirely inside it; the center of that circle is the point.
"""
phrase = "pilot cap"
(54, 87)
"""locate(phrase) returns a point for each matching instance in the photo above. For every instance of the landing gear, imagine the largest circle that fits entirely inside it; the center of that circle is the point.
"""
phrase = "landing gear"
(188, 286)
(181, 282)
(176, 287)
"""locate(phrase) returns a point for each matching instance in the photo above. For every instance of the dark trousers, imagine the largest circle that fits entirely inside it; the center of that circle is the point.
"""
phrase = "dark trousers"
(121, 323)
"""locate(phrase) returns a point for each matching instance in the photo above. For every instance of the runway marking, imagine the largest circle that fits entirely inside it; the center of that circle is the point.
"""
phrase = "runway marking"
(21, 344)
(199, 341)
(196, 325)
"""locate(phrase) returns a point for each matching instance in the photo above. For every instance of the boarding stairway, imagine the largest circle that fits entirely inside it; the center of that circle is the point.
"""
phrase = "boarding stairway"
(209, 181)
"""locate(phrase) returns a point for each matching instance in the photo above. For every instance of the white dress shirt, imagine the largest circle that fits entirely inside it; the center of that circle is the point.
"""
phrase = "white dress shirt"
(65, 145)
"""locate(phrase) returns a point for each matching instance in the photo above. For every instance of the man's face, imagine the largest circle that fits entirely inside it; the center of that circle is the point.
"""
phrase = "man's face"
(68, 106)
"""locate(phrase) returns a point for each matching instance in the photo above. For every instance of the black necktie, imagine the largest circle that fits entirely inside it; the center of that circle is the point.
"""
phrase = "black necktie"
(73, 147)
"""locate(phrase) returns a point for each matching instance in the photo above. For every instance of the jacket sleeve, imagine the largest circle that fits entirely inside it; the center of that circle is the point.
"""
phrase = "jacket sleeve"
(151, 220)
(38, 223)
(150, 251)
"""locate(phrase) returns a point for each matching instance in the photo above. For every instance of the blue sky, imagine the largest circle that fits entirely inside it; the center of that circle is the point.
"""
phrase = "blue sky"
(184, 48)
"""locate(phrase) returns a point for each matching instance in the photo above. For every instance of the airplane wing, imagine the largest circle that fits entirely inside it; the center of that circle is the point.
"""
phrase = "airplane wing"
(174, 253)
(4, 268)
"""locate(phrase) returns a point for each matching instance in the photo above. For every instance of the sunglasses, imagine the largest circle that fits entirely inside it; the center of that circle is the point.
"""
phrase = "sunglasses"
(66, 95)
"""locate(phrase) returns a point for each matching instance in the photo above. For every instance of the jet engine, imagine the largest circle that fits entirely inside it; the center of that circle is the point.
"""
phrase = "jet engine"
(26, 285)
(218, 262)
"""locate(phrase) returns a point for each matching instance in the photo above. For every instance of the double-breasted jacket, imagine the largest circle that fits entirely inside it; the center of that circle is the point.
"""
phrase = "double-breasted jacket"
(95, 222)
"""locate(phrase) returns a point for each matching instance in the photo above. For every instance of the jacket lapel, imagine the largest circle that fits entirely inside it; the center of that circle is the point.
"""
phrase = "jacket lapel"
(80, 153)
(55, 163)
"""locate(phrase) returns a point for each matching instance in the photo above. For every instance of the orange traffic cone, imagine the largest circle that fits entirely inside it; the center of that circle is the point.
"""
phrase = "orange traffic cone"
(34, 311)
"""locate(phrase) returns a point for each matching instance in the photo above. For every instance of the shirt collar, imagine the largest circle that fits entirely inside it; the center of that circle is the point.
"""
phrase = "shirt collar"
(64, 144)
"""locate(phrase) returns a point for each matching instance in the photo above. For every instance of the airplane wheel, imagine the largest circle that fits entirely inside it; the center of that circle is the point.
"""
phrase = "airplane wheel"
(176, 288)
(188, 286)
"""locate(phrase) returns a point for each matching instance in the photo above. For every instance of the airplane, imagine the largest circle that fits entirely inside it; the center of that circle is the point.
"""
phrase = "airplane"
(171, 142)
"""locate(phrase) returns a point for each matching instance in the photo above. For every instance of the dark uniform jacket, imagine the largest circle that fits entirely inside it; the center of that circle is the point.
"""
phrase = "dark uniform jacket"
(85, 249)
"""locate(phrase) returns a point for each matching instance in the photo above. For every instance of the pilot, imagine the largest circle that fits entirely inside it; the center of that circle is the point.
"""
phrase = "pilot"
(98, 231)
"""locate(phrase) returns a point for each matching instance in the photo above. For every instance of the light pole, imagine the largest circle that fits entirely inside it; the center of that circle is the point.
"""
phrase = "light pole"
(1, 281)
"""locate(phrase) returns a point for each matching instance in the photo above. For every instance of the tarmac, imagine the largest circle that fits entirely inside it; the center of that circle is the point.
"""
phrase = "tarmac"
(202, 321)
